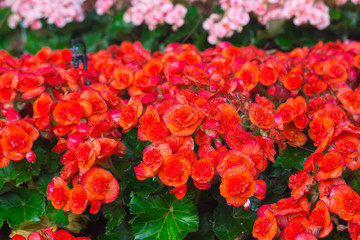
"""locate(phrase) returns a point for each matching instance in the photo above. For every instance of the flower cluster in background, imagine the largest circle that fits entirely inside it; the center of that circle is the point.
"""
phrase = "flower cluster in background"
(153, 13)
(236, 13)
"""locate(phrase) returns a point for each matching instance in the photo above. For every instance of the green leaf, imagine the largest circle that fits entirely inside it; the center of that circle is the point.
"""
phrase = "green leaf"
(231, 223)
(163, 217)
(350, 18)
(56, 216)
(119, 23)
(133, 146)
(25, 171)
(286, 40)
(192, 12)
(335, 14)
(122, 232)
(92, 39)
(205, 231)
(7, 174)
(142, 188)
(44, 179)
(114, 213)
(20, 206)
(292, 158)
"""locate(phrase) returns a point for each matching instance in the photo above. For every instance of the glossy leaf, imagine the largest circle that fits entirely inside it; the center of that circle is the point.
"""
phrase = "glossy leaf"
(114, 213)
(20, 206)
(292, 158)
(163, 217)
(231, 223)
(56, 216)
(7, 174)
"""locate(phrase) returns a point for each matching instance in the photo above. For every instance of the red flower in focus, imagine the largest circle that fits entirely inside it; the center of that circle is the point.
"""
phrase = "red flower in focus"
(297, 226)
(320, 217)
(202, 173)
(345, 202)
(229, 117)
(265, 227)
(234, 158)
(330, 166)
(236, 137)
(78, 199)
(354, 230)
(42, 106)
(68, 112)
(17, 139)
(58, 193)
(180, 191)
(288, 208)
(349, 99)
(152, 160)
(348, 145)
(300, 184)
(175, 170)
(294, 136)
(100, 185)
(157, 132)
(261, 117)
(249, 75)
(182, 120)
(237, 185)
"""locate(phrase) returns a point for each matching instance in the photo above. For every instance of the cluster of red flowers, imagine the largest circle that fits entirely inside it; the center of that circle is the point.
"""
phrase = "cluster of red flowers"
(213, 113)
(319, 84)
(48, 233)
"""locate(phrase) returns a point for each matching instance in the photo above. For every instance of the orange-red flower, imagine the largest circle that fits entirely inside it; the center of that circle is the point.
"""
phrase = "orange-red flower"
(320, 217)
(100, 185)
(235, 158)
(349, 99)
(122, 78)
(293, 81)
(86, 154)
(68, 112)
(249, 75)
(17, 139)
(265, 228)
(196, 74)
(182, 120)
(237, 185)
(294, 136)
(345, 202)
(335, 70)
(267, 76)
(300, 184)
(297, 226)
(229, 117)
(78, 199)
(157, 132)
(261, 117)
(128, 117)
(202, 171)
(175, 170)
(348, 145)
(288, 206)
(58, 193)
(236, 137)
(330, 166)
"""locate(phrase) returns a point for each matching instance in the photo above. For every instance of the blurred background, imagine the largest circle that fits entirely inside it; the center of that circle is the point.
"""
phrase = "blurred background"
(27, 26)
